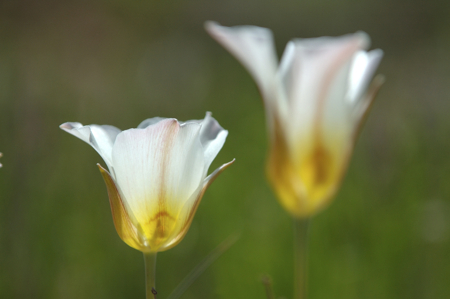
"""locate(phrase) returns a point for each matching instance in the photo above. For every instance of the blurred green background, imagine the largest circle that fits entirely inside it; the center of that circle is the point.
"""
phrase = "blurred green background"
(387, 234)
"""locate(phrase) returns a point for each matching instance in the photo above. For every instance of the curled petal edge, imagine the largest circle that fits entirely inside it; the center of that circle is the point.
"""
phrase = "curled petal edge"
(125, 228)
(99, 137)
(367, 101)
(206, 183)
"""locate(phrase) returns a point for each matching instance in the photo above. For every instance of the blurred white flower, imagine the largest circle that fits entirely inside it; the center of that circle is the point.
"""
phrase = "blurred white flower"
(1, 155)
(315, 100)
(157, 175)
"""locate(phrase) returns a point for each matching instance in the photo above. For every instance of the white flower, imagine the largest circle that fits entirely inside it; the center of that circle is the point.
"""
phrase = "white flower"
(157, 175)
(315, 100)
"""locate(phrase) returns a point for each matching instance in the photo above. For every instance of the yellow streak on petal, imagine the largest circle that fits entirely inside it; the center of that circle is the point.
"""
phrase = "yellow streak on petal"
(124, 227)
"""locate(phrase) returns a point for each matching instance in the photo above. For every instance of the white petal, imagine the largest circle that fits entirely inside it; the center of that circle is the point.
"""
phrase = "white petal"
(191, 205)
(318, 68)
(101, 138)
(212, 137)
(361, 107)
(158, 167)
(254, 47)
(150, 121)
(336, 113)
(363, 68)
(285, 70)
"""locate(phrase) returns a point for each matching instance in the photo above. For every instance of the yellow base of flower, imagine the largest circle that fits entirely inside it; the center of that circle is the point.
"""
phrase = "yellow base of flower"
(307, 185)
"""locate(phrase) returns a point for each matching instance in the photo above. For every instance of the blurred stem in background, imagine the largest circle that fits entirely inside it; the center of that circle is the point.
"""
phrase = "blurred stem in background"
(267, 282)
(150, 273)
(301, 235)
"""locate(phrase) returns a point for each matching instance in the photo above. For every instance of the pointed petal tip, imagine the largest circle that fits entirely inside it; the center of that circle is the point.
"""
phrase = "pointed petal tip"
(101, 168)
(378, 53)
(213, 28)
(210, 178)
(226, 165)
(69, 125)
(72, 127)
(211, 24)
(223, 32)
(162, 121)
(363, 39)
(223, 167)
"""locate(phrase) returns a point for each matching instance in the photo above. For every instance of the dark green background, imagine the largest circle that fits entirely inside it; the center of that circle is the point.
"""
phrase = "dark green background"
(119, 62)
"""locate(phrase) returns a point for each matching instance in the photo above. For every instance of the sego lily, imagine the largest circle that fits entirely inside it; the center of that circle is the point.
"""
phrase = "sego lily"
(315, 99)
(157, 175)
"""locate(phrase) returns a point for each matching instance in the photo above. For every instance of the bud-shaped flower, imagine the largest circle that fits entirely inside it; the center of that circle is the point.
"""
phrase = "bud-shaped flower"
(315, 99)
(157, 175)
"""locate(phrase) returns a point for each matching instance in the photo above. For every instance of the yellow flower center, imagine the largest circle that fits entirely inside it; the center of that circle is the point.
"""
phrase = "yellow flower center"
(158, 228)
(317, 172)
(304, 182)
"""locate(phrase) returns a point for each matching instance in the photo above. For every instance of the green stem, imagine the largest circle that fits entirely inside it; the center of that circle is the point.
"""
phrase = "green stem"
(267, 281)
(301, 258)
(150, 273)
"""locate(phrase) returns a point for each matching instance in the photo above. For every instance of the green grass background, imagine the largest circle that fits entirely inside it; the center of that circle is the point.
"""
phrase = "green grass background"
(387, 234)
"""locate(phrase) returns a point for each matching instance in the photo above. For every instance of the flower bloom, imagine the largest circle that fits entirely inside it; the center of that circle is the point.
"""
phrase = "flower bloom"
(315, 99)
(157, 175)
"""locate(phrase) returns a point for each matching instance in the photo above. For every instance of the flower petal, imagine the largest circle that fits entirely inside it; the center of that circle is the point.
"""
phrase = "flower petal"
(362, 70)
(158, 169)
(212, 137)
(318, 67)
(254, 47)
(150, 121)
(365, 103)
(341, 117)
(190, 207)
(285, 70)
(122, 222)
(101, 138)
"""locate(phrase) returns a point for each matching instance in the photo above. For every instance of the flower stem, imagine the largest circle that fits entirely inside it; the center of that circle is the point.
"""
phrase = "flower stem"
(301, 228)
(267, 282)
(150, 273)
